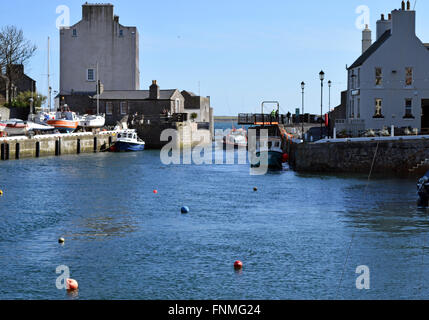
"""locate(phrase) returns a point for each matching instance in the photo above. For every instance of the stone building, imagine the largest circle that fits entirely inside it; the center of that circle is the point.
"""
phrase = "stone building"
(98, 47)
(198, 105)
(151, 104)
(20, 83)
(389, 83)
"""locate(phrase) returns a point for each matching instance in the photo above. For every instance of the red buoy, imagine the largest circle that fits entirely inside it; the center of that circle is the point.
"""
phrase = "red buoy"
(285, 157)
(72, 284)
(238, 265)
(155, 191)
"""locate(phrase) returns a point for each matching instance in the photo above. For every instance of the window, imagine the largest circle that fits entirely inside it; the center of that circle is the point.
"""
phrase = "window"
(124, 108)
(408, 77)
(90, 75)
(358, 108)
(74, 33)
(121, 33)
(408, 109)
(378, 108)
(358, 79)
(352, 111)
(109, 108)
(378, 76)
(177, 106)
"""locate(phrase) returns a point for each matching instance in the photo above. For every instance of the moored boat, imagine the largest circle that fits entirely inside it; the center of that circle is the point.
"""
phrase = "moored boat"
(16, 127)
(127, 141)
(237, 138)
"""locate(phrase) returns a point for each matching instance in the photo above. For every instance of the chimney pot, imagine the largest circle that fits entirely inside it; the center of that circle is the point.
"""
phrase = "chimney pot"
(382, 17)
(403, 5)
(408, 5)
(390, 16)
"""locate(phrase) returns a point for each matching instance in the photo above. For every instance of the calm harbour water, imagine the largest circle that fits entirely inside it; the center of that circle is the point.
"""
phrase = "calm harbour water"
(298, 236)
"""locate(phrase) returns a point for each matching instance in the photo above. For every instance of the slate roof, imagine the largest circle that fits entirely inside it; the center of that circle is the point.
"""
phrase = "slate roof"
(134, 95)
(368, 53)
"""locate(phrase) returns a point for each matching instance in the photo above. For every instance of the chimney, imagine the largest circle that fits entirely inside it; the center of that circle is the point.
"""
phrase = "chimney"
(403, 5)
(154, 91)
(408, 5)
(116, 19)
(390, 16)
(366, 39)
(382, 26)
(404, 23)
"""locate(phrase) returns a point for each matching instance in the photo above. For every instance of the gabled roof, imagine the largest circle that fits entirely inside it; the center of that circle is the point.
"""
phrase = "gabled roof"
(368, 53)
(135, 95)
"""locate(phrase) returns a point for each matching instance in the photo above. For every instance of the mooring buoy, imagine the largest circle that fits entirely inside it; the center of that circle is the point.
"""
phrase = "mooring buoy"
(61, 240)
(185, 210)
(72, 285)
(238, 265)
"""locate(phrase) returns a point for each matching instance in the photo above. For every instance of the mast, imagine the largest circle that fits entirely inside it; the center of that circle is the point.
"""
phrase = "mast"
(49, 77)
(98, 92)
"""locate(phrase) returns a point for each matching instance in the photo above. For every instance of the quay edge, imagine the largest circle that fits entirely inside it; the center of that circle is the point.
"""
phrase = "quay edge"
(14, 148)
(395, 157)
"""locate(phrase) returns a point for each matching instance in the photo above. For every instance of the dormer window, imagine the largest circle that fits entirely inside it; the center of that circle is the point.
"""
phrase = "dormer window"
(378, 77)
(408, 77)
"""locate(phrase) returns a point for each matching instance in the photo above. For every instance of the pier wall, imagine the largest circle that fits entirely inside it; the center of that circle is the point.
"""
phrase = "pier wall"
(188, 134)
(54, 145)
(398, 157)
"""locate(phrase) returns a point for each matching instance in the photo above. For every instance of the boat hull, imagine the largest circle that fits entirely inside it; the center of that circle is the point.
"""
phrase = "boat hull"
(275, 160)
(121, 146)
(64, 126)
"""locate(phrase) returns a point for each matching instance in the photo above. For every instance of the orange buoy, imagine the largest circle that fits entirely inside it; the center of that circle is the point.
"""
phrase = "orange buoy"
(238, 265)
(72, 285)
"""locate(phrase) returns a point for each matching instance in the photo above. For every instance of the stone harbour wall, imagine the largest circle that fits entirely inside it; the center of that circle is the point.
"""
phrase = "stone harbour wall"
(396, 157)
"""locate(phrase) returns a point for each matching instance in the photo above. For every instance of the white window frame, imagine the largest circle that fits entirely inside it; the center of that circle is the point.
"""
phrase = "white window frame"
(122, 104)
(109, 105)
(380, 76)
(177, 106)
(87, 75)
(406, 77)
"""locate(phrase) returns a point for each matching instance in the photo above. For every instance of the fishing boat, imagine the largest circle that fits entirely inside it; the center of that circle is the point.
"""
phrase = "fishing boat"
(92, 121)
(236, 138)
(65, 121)
(127, 141)
(271, 147)
(2, 126)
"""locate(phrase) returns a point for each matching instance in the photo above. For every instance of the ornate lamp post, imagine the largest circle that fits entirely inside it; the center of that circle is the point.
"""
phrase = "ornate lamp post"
(303, 87)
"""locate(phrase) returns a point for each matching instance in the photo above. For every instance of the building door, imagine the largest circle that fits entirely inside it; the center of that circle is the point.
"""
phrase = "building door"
(425, 116)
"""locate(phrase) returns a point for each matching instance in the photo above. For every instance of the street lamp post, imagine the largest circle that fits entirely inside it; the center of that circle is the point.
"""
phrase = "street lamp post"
(329, 110)
(303, 87)
(322, 77)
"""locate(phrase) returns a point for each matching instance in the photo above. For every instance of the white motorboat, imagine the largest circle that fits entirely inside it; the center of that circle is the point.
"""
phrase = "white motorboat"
(17, 127)
(92, 121)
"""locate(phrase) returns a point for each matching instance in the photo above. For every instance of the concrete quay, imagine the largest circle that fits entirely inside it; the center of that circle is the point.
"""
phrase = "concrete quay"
(21, 147)
(391, 156)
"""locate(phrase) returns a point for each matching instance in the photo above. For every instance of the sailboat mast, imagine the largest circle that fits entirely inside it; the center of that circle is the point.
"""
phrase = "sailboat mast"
(98, 92)
(49, 76)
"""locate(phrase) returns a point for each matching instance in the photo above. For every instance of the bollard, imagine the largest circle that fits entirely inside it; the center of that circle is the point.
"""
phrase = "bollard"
(78, 146)
(95, 144)
(335, 133)
(3, 151)
(37, 149)
(17, 151)
(393, 131)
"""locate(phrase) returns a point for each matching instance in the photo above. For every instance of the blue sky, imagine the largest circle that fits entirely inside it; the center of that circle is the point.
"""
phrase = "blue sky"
(238, 52)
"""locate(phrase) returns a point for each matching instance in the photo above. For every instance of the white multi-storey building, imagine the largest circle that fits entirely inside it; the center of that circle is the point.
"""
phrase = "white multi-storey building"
(389, 83)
